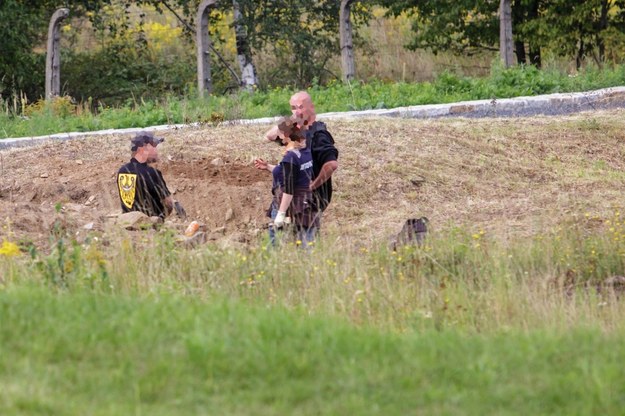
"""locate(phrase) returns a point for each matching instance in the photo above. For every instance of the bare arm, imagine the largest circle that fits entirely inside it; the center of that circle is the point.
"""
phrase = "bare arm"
(278, 222)
(263, 165)
(326, 172)
(285, 202)
(272, 134)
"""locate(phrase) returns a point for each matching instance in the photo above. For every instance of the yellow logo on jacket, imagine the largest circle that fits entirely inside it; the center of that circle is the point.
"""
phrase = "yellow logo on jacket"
(127, 184)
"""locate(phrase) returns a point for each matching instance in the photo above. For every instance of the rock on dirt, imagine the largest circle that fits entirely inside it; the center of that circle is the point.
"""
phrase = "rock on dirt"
(229, 214)
(136, 220)
(217, 162)
(193, 241)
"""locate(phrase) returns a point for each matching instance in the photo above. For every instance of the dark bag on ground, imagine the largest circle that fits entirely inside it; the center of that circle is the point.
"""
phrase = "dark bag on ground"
(413, 231)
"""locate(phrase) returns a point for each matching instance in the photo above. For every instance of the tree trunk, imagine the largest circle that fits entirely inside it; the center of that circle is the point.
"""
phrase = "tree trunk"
(347, 45)
(53, 55)
(204, 81)
(519, 50)
(603, 25)
(535, 58)
(580, 55)
(518, 18)
(505, 33)
(244, 53)
(535, 54)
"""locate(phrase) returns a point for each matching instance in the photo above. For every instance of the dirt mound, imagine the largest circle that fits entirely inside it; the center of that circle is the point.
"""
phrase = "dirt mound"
(41, 186)
(225, 172)
(504, 176)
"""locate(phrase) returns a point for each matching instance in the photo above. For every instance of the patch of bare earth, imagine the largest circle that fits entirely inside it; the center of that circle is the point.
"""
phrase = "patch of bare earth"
(511, 177)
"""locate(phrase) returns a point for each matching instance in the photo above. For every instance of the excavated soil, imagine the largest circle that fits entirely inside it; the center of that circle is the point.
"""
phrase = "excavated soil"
(506, 176)
(73, 183)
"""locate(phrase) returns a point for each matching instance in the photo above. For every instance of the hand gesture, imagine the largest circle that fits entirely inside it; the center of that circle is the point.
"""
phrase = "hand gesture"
(260, 164)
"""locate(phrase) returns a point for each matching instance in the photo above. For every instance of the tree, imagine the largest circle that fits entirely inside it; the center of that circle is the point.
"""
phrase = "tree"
(22, 26)
(527, 35)
(505, 32)
(469, 26)
(347, 45)
(581, 28)
(298, 36)
(570, 28)
(301, 35)
(244, 52)
(459, 26)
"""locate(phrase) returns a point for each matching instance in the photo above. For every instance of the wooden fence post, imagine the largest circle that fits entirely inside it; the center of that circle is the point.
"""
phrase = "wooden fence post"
(347, 45)
(505, 33)
(53, 55)
(204, 81)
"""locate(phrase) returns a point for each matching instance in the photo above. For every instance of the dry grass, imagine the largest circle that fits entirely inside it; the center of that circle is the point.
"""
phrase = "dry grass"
(508, 176)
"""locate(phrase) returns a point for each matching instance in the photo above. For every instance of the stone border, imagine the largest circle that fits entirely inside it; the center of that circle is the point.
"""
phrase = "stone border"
(551, 104)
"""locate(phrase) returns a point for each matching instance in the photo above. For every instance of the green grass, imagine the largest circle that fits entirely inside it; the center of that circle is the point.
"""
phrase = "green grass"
(64, 116)
(88, 353)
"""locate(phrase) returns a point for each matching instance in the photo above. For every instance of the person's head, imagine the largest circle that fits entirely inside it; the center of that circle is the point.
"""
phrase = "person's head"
(143, 147)
(290, 133)
(303, 109)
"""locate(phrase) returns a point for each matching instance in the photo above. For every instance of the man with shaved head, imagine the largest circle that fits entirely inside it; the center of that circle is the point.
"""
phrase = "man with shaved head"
(320, 142)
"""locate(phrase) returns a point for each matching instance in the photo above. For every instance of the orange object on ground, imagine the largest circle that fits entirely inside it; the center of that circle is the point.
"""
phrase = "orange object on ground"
(192, 229)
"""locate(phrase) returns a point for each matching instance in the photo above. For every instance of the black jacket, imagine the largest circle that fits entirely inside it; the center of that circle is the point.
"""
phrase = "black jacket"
(321, 144)
(142, 188)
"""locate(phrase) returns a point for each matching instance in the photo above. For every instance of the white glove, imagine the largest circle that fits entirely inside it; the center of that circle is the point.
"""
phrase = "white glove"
(279, 221)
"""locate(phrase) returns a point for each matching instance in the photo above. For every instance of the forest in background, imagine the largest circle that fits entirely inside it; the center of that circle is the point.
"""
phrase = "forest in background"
(115, 52)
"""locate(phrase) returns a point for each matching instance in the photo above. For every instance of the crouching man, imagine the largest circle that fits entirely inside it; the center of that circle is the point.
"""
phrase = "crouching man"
(142, 187)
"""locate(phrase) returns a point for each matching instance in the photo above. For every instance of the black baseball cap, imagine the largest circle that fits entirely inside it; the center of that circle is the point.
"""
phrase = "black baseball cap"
(144, 137)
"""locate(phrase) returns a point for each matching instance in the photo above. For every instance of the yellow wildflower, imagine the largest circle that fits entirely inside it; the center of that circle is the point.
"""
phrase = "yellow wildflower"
(9, 249)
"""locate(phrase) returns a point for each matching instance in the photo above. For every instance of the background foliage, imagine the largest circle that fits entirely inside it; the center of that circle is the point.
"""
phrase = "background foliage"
(118, 52)
(123, 58)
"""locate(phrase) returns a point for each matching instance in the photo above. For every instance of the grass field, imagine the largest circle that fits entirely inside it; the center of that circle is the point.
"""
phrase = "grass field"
(86, 353)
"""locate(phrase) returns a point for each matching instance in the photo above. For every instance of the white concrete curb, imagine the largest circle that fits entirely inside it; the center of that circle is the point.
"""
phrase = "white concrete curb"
(551, 104)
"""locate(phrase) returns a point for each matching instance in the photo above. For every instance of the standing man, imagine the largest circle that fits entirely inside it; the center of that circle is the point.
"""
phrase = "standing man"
(142, 187)
(320, 141)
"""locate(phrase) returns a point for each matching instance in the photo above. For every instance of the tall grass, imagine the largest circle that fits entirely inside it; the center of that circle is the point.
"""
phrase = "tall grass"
(18, 118)
(460, 281)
